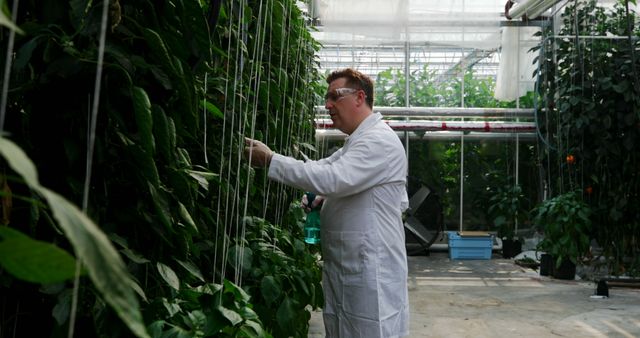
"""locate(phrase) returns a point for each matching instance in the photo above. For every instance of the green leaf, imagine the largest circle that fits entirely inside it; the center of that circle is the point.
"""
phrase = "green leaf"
(247, 313)
(186, 217)
(248, 331)
(202, 177)
(134, 257)
(79, 10)
(240, 257)
(270, 289)
(155, 328)
(302, 284)
(171, 127)
(233, 317)
(19, 162)
(142, 111)
(172, 308)
(62, 309)
(145, 163)
(161, 132)
(159, 50)
(24, 53)
(9, 233)
(238, 292)
(286, 313)
(169, 276)
(106, 268)
(309, 146)
(5, 21)
(213, 110)
(35, 261)
(192, 269)
(161, 206)
(178, 332)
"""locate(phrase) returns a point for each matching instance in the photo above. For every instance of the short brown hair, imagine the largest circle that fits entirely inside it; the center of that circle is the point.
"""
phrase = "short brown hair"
(356, 80)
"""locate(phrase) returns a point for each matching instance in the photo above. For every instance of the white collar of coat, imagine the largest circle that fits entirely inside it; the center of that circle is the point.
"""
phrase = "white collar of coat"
(367, 123)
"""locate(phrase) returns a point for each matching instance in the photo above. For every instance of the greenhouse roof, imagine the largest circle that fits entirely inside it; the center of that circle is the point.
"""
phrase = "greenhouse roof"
(468, 23)
(445, 36)
(462, 23)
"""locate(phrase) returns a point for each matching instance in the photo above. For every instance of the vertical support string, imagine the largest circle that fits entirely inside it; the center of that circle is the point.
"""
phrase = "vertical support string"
(222, 149)
(90, 147)
(266, 183)
(244, 103)
(228, 214)
(255, 74)
(7, 66)
(284, 47)
(204, 118)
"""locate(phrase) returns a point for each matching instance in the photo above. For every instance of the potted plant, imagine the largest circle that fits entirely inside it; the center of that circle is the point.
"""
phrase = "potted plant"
(505, 210)
(566, 224)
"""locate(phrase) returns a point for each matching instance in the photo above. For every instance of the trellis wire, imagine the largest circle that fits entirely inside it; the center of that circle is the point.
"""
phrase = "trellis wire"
(235, 206)
(255, 74)
(90, 147)
(224, 128)
(3, 106)
(7, 66)
(287, 145)
(204, 118)
(233, 103)
(284, 50)
(266, 183)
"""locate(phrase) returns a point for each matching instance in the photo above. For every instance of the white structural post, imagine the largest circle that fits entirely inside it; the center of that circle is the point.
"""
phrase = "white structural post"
(461, 177)
(407, 76)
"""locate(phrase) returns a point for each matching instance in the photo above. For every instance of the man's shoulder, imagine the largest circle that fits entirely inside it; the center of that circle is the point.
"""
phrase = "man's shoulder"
(381, 137)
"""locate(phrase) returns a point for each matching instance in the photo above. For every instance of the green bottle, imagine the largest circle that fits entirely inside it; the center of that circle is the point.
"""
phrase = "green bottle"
(312, 224)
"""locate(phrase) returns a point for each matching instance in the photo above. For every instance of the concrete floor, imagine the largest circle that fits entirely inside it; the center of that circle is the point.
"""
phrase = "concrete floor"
(496, 298)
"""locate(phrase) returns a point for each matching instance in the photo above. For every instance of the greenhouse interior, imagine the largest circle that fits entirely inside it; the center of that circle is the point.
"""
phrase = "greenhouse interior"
(131, 209)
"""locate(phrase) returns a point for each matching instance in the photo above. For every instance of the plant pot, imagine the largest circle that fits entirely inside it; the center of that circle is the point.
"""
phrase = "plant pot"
(510, 248)
(566, 270)
(546, 264)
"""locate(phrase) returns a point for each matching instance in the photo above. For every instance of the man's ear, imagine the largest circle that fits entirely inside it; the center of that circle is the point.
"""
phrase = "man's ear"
(362, 98)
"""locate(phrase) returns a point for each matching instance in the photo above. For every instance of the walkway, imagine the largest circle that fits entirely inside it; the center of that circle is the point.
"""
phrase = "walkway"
(496, 298)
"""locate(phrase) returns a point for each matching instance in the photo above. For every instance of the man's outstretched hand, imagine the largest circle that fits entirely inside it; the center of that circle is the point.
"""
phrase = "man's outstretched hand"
(258, 153)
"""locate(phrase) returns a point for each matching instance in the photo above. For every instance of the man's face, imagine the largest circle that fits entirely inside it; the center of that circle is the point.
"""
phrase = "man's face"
(340, 101)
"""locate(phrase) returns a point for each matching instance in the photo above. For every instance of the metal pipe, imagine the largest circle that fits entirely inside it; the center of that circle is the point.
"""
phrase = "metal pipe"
(535, 11)
(531, 8)
(323, 135)
(477, 126)
(521, 8)
(446, 112)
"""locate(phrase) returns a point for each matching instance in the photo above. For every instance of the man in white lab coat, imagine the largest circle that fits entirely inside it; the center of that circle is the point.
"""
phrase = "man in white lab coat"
(363, 245)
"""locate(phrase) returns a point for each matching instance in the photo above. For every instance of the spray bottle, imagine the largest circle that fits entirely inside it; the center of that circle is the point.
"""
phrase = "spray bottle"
(312, 224)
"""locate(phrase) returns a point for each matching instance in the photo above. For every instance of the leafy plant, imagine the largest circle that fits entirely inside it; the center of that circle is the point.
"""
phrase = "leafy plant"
(284, 275)
(566, 223)
(590, 98)
(438, 162)
(105, 267)
(208, 310)
(427, 91)
(507, 208)
(183, 83)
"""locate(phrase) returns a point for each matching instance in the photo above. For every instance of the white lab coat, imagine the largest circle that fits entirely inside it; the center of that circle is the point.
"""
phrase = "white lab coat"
(363, 245)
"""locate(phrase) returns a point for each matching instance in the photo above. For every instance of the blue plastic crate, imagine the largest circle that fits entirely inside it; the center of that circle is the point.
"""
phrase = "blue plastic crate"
(469, 246)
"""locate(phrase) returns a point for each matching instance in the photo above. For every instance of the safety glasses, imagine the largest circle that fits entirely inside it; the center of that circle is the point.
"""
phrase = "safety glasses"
(339, 94)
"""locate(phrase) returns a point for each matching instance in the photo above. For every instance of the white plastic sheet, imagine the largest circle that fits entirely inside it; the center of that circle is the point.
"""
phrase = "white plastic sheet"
(516, 63)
